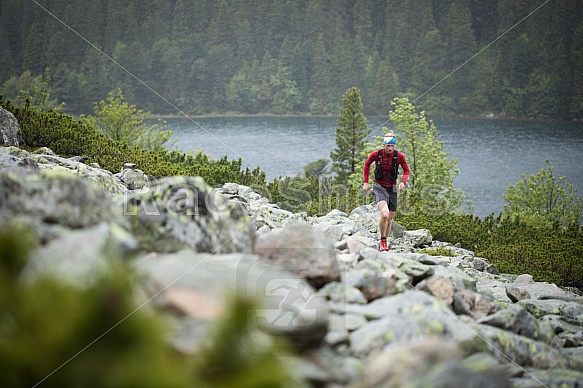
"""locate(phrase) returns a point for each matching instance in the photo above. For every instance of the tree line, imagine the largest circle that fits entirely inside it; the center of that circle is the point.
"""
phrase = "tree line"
(451, 57)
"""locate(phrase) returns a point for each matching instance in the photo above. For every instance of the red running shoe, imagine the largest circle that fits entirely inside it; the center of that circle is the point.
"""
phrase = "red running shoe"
(383, 246)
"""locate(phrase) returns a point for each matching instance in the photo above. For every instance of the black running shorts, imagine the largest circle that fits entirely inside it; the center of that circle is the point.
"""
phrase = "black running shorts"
(387, 194)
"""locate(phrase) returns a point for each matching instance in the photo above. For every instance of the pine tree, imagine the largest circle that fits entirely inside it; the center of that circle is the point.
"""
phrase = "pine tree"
(384, 88)
(319, 80)
(344, 58)
(432, 174)
(33, 47)
(6, 60)
(351, 133)
(427, 71)
(461, 47)
(402, 38)
(576, 106)
(363, 25)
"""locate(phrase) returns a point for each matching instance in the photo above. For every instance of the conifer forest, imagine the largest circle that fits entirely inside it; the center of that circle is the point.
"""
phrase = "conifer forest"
(508, 58)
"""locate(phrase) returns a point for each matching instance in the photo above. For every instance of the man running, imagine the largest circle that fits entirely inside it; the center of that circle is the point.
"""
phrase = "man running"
(384, 187)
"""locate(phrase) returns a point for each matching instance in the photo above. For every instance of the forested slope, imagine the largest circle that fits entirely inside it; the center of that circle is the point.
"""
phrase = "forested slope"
(300, 56)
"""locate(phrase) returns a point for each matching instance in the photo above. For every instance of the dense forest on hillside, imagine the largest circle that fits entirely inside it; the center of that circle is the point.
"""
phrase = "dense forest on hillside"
(300, 56)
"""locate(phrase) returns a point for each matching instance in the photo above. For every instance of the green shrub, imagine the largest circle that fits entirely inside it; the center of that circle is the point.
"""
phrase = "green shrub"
(550, 254)
(467, 230)
(438, 252)
(68, 137)
(544, 198)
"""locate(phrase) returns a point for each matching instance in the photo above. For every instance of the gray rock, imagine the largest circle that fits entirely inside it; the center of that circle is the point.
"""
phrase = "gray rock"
(358, 243)
(367, 217)
(540, 308)
(179, 212)
(133, 178)
(9, 129)
(342, 293)
(517, 320)
(524, 279)
(419, 237)
(373, 285)
(44, 159)
(478, 370)
(472, 303)
(404, 317)
(434, 260)
(415, 270)
(7, 158)
(432, 362)
(198, 286)
(549, 378)
(80, 257)
(44, 151)
(561, 324)
(11, 157)
(515, 293)
(541, 290)
(334, 232)
(479, 263)
(266, 216)
(526, 352)
(571, 340)
(302, 250)
(339, 325)
(441, 288)
(29, 164)
(459, 279)
(55, 198)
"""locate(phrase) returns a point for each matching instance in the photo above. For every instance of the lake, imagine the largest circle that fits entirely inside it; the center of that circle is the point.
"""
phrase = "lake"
(492, 154)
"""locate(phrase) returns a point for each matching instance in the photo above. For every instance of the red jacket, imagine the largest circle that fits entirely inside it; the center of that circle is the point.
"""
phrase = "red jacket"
(386, 161)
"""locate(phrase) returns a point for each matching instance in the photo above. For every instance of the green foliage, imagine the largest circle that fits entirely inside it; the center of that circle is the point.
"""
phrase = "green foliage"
(431, 182)
(438, 252)
(68, 137)
(293, 193)
(576, 106)
(31, 90)
(544, 199)
(471, 232)
(314, 195)
(351, 133)
(291, 57)
(265, 87)
(548, 253)
(122, 122)
(333, 196)
(552, 254)
(317, 168)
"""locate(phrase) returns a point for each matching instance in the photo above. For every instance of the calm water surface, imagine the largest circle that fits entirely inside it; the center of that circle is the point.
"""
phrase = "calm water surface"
(491, 153)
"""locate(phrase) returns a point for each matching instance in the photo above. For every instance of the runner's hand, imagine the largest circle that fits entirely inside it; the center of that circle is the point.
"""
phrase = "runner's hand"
(366, 188)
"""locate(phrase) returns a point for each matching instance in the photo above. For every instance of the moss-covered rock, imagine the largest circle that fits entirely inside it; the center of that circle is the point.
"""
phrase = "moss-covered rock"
(179, 212)
(55, 197)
